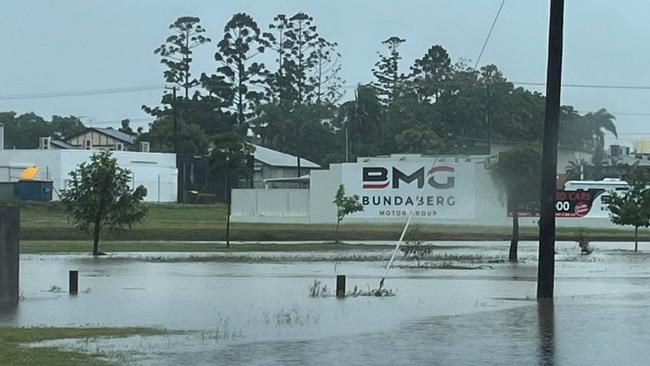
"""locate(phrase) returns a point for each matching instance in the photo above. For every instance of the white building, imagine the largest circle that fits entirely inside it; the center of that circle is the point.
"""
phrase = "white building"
(451, 190)
(155, 171)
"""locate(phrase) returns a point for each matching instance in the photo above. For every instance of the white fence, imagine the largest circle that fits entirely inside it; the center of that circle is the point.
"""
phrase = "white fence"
(270, 205)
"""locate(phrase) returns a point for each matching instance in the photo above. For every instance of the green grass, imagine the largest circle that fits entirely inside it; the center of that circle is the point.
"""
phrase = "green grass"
(54, 246)
(178, 222)
(13, 353)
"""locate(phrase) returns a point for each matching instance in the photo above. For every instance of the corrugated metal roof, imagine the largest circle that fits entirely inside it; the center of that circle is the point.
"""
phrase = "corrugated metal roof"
(275, 158)
(62, 144)
(116, 134)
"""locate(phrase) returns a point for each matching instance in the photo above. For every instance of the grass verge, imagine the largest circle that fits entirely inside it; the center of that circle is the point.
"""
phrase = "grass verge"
(12, 352)
(44, 247)
(177, 222)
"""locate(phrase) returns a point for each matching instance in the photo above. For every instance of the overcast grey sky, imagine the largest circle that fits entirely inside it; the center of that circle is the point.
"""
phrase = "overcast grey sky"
(56, 46)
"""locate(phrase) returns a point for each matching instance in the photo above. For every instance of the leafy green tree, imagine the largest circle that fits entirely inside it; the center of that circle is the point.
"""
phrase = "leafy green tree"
(292, 86)
(22, 132)
(99, 196)
(229, 158)
(518, 173)
(419, 140)
(242, 43)
(300, 58)
(190, 138)
(389, 80)
(325, 75)
(359, 122)
(176, 52)
(415, 248)
(125, 126)
(66, 127)
(345, 205)
(432, 73)
(633, 207)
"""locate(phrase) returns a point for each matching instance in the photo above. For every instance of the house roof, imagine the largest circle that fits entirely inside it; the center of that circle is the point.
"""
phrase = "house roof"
(62, 144)
(118, 135)
(275, 158)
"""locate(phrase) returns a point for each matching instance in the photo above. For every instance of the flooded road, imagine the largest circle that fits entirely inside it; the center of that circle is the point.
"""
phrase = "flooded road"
(465, 305)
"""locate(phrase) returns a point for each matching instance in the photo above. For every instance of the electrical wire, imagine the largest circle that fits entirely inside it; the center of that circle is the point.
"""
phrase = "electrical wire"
(487, 38)
(82, 93)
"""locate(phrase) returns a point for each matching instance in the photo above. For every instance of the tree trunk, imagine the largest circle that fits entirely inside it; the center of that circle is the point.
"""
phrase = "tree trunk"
(337, 231)
(636, 238)
(228, 211)
(96, 238)
(514, 242)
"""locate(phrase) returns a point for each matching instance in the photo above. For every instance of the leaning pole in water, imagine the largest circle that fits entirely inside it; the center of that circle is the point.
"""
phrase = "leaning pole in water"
(546, 264)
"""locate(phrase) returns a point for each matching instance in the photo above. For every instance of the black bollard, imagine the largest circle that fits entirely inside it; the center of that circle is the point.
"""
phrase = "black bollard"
(340, 286)
(74, 283)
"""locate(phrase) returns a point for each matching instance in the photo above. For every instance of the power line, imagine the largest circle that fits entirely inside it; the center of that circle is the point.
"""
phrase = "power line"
(143, 88)
(590, 86)
(129, 89)
(487, 38)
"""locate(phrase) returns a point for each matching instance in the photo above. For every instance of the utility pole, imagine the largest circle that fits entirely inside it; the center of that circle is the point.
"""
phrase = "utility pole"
(180, 186)
(298, 146)
(347, 144)
(228, 201)
(175, 120)
(546, 266)
(487, 119)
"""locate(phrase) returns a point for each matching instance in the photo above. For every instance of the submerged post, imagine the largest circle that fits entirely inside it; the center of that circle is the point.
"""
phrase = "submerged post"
(546, 266)
(9, 255)
(340, 286)
(73, 283)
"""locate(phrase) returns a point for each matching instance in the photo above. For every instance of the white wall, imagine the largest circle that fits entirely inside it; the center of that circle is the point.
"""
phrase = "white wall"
(274, 205)
(152, 170)
(270, 205)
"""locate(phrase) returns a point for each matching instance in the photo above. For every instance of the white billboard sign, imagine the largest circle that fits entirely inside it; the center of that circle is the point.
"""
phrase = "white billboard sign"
(389, 189)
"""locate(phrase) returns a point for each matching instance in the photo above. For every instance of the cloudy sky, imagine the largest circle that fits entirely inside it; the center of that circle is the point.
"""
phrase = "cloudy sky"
(79, 45)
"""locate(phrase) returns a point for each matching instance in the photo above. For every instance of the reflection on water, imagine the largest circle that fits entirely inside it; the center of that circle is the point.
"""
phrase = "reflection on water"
(546, 323)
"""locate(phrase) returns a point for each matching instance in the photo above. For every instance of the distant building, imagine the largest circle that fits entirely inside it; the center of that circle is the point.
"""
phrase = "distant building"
(272, 167)
(641, 146)
(155, 171)
(617, 151)
(94, 138)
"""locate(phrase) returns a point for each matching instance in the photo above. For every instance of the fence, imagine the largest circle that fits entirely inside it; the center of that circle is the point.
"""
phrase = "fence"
(270, 205)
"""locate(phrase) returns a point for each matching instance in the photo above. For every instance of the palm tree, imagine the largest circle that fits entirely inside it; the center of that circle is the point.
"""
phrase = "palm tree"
(576, 169)
(600, 122)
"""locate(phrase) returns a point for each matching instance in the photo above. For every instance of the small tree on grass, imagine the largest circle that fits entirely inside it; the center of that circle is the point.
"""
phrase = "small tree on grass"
(99, 196)
(518, 172)
(229, 158)
(415, 249)
(345, 205)
(633, 207)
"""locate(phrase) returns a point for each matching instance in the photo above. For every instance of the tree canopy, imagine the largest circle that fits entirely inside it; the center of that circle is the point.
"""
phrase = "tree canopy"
(633, 207)
(99, 196)
(277, 82)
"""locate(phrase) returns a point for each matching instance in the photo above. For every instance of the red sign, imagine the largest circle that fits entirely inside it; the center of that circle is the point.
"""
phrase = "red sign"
(568, 204)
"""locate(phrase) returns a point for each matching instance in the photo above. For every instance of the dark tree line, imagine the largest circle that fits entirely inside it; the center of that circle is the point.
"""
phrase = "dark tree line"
(279, 85)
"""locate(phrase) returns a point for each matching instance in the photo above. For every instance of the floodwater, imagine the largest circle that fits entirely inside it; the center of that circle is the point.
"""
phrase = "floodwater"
(465, 305)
